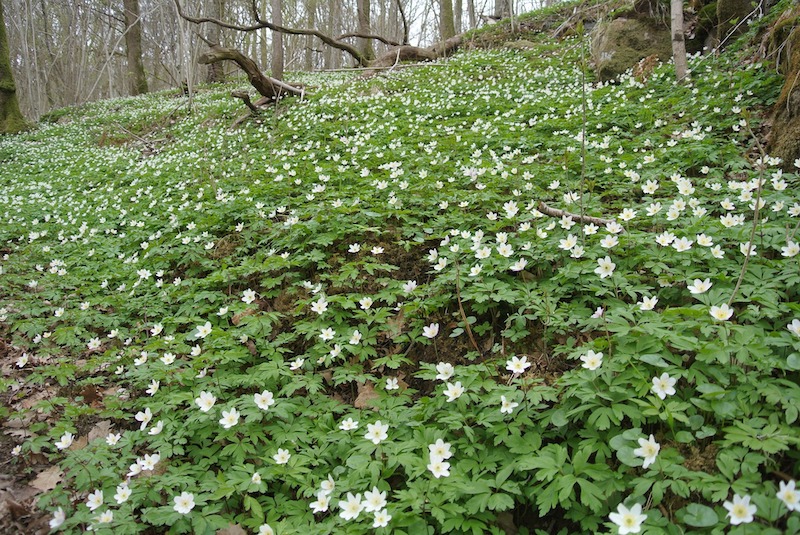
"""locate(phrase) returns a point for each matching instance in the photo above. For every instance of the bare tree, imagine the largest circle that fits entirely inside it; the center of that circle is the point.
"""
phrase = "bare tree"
(215, 72)
(678, 42)
(447, 25)
(363, 8)
(133, 47)
(277, 41)
(10, 117)
(502, 9)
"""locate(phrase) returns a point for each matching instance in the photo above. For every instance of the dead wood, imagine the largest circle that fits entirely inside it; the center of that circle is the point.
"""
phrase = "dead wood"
(265, 85)
(555, 212)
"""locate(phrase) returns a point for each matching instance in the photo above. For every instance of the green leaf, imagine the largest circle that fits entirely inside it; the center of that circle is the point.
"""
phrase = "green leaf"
(698, 516)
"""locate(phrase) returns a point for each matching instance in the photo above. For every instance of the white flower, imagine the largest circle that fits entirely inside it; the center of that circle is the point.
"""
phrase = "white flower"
(354, 248)
(265, 529)
(409, 286)
(296, 364)
(377, 432)
(519, 265)
(739, 510)
(609, 241)
(392, 383)
(374, 500)
(320, 305)
(327, 485)
(122, 494)
(184, 503)
(205, 401)
(682, 244)
(59, 517)
(203, 330)
(113, 438)
(794, 327)
(517, 365)
(430, 331)
(791, 249)
(327, 334)
(648, 449)
(248, 296)
(664, 385)
(439, 467)
(144, 417)
(352, 507)
(94, 343)
(568, 243)
(648, 303)
(355, 338)
(94, 500)
(789, 495)
(505, 250)
(446, 370)
(321, 504)
(282, 457)
(381, 519)
(628, 520)
(507, 406)
(365, 302)
(722, 312)
(264, 400)
(348, 425)
(592, 360)
(229, 418)
(700, 286)
(105, 517)
(154, 385)
(65, 441)
(440, 449)
(453, 391)
(605, 267)
(156, 429)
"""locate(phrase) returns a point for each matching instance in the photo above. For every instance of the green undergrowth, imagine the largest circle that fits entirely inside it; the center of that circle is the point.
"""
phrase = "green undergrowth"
(360, 293)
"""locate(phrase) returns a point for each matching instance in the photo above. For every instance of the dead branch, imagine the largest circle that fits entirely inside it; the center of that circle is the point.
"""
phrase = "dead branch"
(261, 24)
(246, 99)
(555, 212)
(265, 85)
(380, 38)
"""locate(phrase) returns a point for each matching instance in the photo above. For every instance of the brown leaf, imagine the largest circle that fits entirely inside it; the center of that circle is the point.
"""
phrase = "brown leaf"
(237, 318)
(47, 480)
(79, 443)
(100, 430)
(16, 509)
(366, 396)
(232, 529)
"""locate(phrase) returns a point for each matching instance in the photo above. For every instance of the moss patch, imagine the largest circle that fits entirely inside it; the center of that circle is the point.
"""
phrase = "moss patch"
(621, 43)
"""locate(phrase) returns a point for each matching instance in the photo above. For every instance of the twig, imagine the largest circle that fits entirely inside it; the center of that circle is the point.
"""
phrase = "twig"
(555, 212)
(464, 314)
(755, 213)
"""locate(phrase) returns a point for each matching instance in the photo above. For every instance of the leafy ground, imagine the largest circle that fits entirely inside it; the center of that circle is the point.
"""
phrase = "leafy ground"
(355, 316)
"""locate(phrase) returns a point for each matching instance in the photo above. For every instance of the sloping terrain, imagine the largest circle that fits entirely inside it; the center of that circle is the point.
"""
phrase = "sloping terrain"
(365, 311)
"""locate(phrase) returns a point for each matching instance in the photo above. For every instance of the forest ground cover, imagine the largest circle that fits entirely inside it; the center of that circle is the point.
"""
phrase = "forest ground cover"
(355, 315)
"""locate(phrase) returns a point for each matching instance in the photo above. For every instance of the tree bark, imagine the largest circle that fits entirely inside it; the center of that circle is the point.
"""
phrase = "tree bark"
(311, 8)
(133, 47)
(277, 41)
(678, 42)
(11, 120)
(502, 9)
(270, 88)
(215, 73)
(447, 25)
(363, 8)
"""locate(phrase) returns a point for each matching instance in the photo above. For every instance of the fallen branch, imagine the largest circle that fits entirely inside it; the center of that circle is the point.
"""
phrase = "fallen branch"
(555, 212)
(246, 99)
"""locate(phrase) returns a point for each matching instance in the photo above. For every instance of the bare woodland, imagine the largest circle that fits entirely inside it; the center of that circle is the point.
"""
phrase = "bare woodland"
(65, 53)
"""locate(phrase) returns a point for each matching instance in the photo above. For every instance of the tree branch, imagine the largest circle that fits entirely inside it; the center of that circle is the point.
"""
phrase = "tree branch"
(380, 38)
(555, 212)
(261, 24)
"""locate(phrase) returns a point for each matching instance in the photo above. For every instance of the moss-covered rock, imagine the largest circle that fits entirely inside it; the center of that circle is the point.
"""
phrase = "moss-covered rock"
(620, 43)
(729, 14)
(785, 137)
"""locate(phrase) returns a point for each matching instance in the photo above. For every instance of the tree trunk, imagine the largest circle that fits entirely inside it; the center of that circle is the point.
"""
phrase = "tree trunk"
(311, 7)
(277, 41)
(216, 72)
(502, 9)
(133, 47)
(270, 88)
(458, 12)
(447, 26)
(364, 45)
(11, 120)
(678, 42)
(473, 17)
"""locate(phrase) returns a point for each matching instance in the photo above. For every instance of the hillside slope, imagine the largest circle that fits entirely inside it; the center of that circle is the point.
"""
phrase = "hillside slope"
(357, 314)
